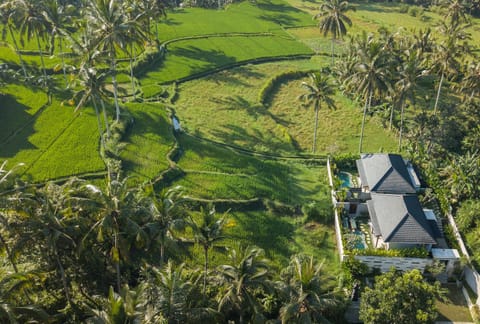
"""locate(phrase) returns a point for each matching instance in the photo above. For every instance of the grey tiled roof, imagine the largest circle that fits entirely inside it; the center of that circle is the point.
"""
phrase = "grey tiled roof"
(385, 173)
(400, 219)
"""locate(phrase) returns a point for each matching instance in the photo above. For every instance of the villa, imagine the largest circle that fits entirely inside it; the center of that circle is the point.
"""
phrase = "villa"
(382, 210)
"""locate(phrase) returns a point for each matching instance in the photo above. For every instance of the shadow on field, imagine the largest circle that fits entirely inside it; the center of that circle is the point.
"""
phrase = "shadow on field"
(271, 233)
(144, 134)
(279, 13)
(270, 179)
(213, 57)
(236, 76)
(253, 109)
(17, 127)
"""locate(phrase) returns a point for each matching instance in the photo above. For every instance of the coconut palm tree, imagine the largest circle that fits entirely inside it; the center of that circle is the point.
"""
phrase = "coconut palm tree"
(372, 76)
(470, 83)
(409, 72)
(58, 17)
(246, 272)
(456, 11)
(166, 216)
(303, 286)
(91, 90)
(110, 27)
(116, 226)
(333, 19)
(208, 230)
(318, 91)
(32, 23)
(446, 54)
(136, 35)
(9, 13)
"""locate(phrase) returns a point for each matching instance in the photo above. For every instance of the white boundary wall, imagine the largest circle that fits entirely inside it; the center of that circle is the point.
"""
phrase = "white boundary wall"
(399, 263)
(472, 277)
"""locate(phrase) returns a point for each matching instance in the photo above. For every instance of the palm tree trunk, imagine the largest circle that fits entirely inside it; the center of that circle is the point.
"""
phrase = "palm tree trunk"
(401, 128)
(99, 123)
(105, 118)
(156, 32)
(315, 129)
(333, 50)
(64, 278)
(391, 116)
(438, 95)
(9, 254)
(41, 60)
(368, 101)
(205, 248)
(115, 90)
(17, 50)
(117, 262)
(131, 71)
(63, 61)
(162, 249)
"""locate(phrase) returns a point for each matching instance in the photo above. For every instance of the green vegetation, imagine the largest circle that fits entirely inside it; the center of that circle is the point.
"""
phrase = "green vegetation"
(233, 77)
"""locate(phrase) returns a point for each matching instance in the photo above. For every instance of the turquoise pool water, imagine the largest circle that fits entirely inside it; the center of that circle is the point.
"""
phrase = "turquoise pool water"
(346, 179)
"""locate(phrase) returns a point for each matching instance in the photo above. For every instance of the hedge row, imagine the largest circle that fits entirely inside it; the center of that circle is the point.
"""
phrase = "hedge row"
(271, 84)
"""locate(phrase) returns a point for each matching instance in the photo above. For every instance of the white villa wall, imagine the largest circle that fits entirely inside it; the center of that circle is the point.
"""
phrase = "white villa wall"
(399, 263)
(472, 278)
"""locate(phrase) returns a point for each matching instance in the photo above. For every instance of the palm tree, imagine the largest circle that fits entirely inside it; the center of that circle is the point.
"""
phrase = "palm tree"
(445, 55)
(319, 90)
(165, 214)
(455, 10)
(207, 231)
(372, 76)
(405, 87)
(307, 300)
(136, 35)
(116, 228)
(33, 24)
(110, 27)
(9, 13)
(246, 273)
(91, 85)
(470, 83)
(333, 19)
(57, 15)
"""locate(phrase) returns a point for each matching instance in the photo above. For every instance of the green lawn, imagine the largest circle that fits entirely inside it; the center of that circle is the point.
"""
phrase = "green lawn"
(454, 308)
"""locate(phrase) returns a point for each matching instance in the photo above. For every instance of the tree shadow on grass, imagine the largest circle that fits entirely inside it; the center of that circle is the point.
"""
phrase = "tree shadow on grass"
(278, 13)
(199, 61)
(212, 57)
(17, 127)
(270, 179)
(253, 109)
(134, 159)
(271, 233)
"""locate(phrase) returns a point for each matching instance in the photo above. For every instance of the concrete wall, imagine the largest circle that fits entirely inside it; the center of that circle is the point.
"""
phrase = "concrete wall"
(385, 263)
(472, 278)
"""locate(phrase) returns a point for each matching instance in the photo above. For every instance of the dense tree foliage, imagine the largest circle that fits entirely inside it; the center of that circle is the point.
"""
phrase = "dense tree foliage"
(399, 298)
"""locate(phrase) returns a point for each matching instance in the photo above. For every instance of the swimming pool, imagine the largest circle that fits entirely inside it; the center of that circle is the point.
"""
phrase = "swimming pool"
(346, 179)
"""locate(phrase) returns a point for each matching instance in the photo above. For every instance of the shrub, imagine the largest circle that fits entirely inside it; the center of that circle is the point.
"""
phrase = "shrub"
(278, 208)
(315, 211)
(273, 82)
(346, 161)
(408, 253)
(415, 11)
(403, 8)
